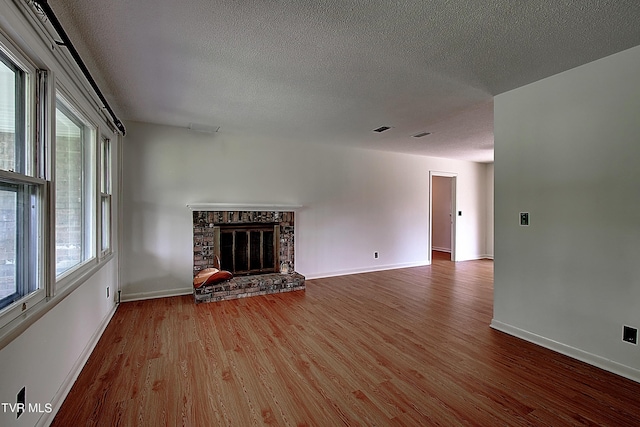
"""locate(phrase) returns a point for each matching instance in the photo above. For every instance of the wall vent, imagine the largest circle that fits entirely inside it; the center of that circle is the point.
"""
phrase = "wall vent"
(421, 134)
(382, 129)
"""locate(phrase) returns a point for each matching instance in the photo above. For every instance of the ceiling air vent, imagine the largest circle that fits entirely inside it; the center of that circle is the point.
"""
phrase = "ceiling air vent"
(421, 134)
(382, 129)
(196, 127)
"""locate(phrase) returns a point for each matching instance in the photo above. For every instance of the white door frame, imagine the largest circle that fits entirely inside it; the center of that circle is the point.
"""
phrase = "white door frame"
(454, 211)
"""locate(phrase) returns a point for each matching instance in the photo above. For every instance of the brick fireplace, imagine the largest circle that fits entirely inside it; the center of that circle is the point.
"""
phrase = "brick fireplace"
(256, 245)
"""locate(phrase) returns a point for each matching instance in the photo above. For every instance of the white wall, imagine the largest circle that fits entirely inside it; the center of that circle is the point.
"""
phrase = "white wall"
(490, 208)
(567, 151)
(442, 210)
(47, 357)
(355, 202)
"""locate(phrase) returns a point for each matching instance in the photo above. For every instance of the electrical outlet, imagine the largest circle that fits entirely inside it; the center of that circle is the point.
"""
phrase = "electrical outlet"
(376, 255)
(630, 335)
(107, 292)
(524, 218)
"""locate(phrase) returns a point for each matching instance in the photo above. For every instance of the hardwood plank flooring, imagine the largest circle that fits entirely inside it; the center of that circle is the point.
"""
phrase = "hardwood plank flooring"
(409, 347)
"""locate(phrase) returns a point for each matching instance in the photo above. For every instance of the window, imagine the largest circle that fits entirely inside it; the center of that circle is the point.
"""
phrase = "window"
(19, 221)
(74, 189)
(12, 115)
(105, 195)
(21, 194)
(56, 182)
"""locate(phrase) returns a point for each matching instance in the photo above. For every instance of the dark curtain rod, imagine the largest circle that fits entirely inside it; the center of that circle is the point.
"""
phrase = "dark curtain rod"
(44, 6)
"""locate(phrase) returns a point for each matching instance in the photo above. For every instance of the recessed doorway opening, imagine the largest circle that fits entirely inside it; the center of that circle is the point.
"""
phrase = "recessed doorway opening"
(442, 214)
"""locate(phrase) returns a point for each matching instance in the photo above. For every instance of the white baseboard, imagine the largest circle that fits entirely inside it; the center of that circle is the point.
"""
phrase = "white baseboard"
(448, 250)
(575, 353)
(335, 273)
(47, 418)
(139, 296)
(476, 257)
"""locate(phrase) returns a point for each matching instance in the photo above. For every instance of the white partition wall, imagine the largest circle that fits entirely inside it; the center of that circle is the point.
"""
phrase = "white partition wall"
(567, 152)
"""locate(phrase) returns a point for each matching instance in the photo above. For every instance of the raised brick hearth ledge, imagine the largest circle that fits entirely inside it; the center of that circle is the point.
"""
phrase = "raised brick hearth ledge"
(249, 286)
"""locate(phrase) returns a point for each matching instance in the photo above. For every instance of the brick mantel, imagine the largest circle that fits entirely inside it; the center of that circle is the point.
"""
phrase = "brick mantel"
(205, 223)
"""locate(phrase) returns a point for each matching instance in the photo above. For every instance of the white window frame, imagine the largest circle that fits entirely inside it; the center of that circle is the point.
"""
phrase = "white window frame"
(90, 228)
(106, 197)
(52, 73)
(31, 177)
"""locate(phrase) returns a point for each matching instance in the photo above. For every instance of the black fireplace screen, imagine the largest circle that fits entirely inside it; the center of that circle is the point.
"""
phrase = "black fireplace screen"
(248, 249)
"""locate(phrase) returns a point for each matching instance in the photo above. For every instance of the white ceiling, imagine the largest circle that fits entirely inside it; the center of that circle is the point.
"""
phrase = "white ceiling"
(331, 71)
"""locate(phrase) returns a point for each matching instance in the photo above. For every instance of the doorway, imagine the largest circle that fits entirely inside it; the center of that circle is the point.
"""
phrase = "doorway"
(442, 210)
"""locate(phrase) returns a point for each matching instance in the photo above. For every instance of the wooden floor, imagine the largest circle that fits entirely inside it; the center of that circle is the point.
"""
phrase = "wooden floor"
(403, 347)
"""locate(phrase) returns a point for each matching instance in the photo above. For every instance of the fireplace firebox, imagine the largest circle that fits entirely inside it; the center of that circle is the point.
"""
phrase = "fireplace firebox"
(246, 249)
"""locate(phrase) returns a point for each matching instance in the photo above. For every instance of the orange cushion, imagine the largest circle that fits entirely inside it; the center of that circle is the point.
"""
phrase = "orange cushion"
(203, 275)
(209, 276)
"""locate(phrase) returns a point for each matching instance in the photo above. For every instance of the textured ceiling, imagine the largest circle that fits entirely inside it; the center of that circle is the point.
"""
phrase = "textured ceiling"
(332, 71)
